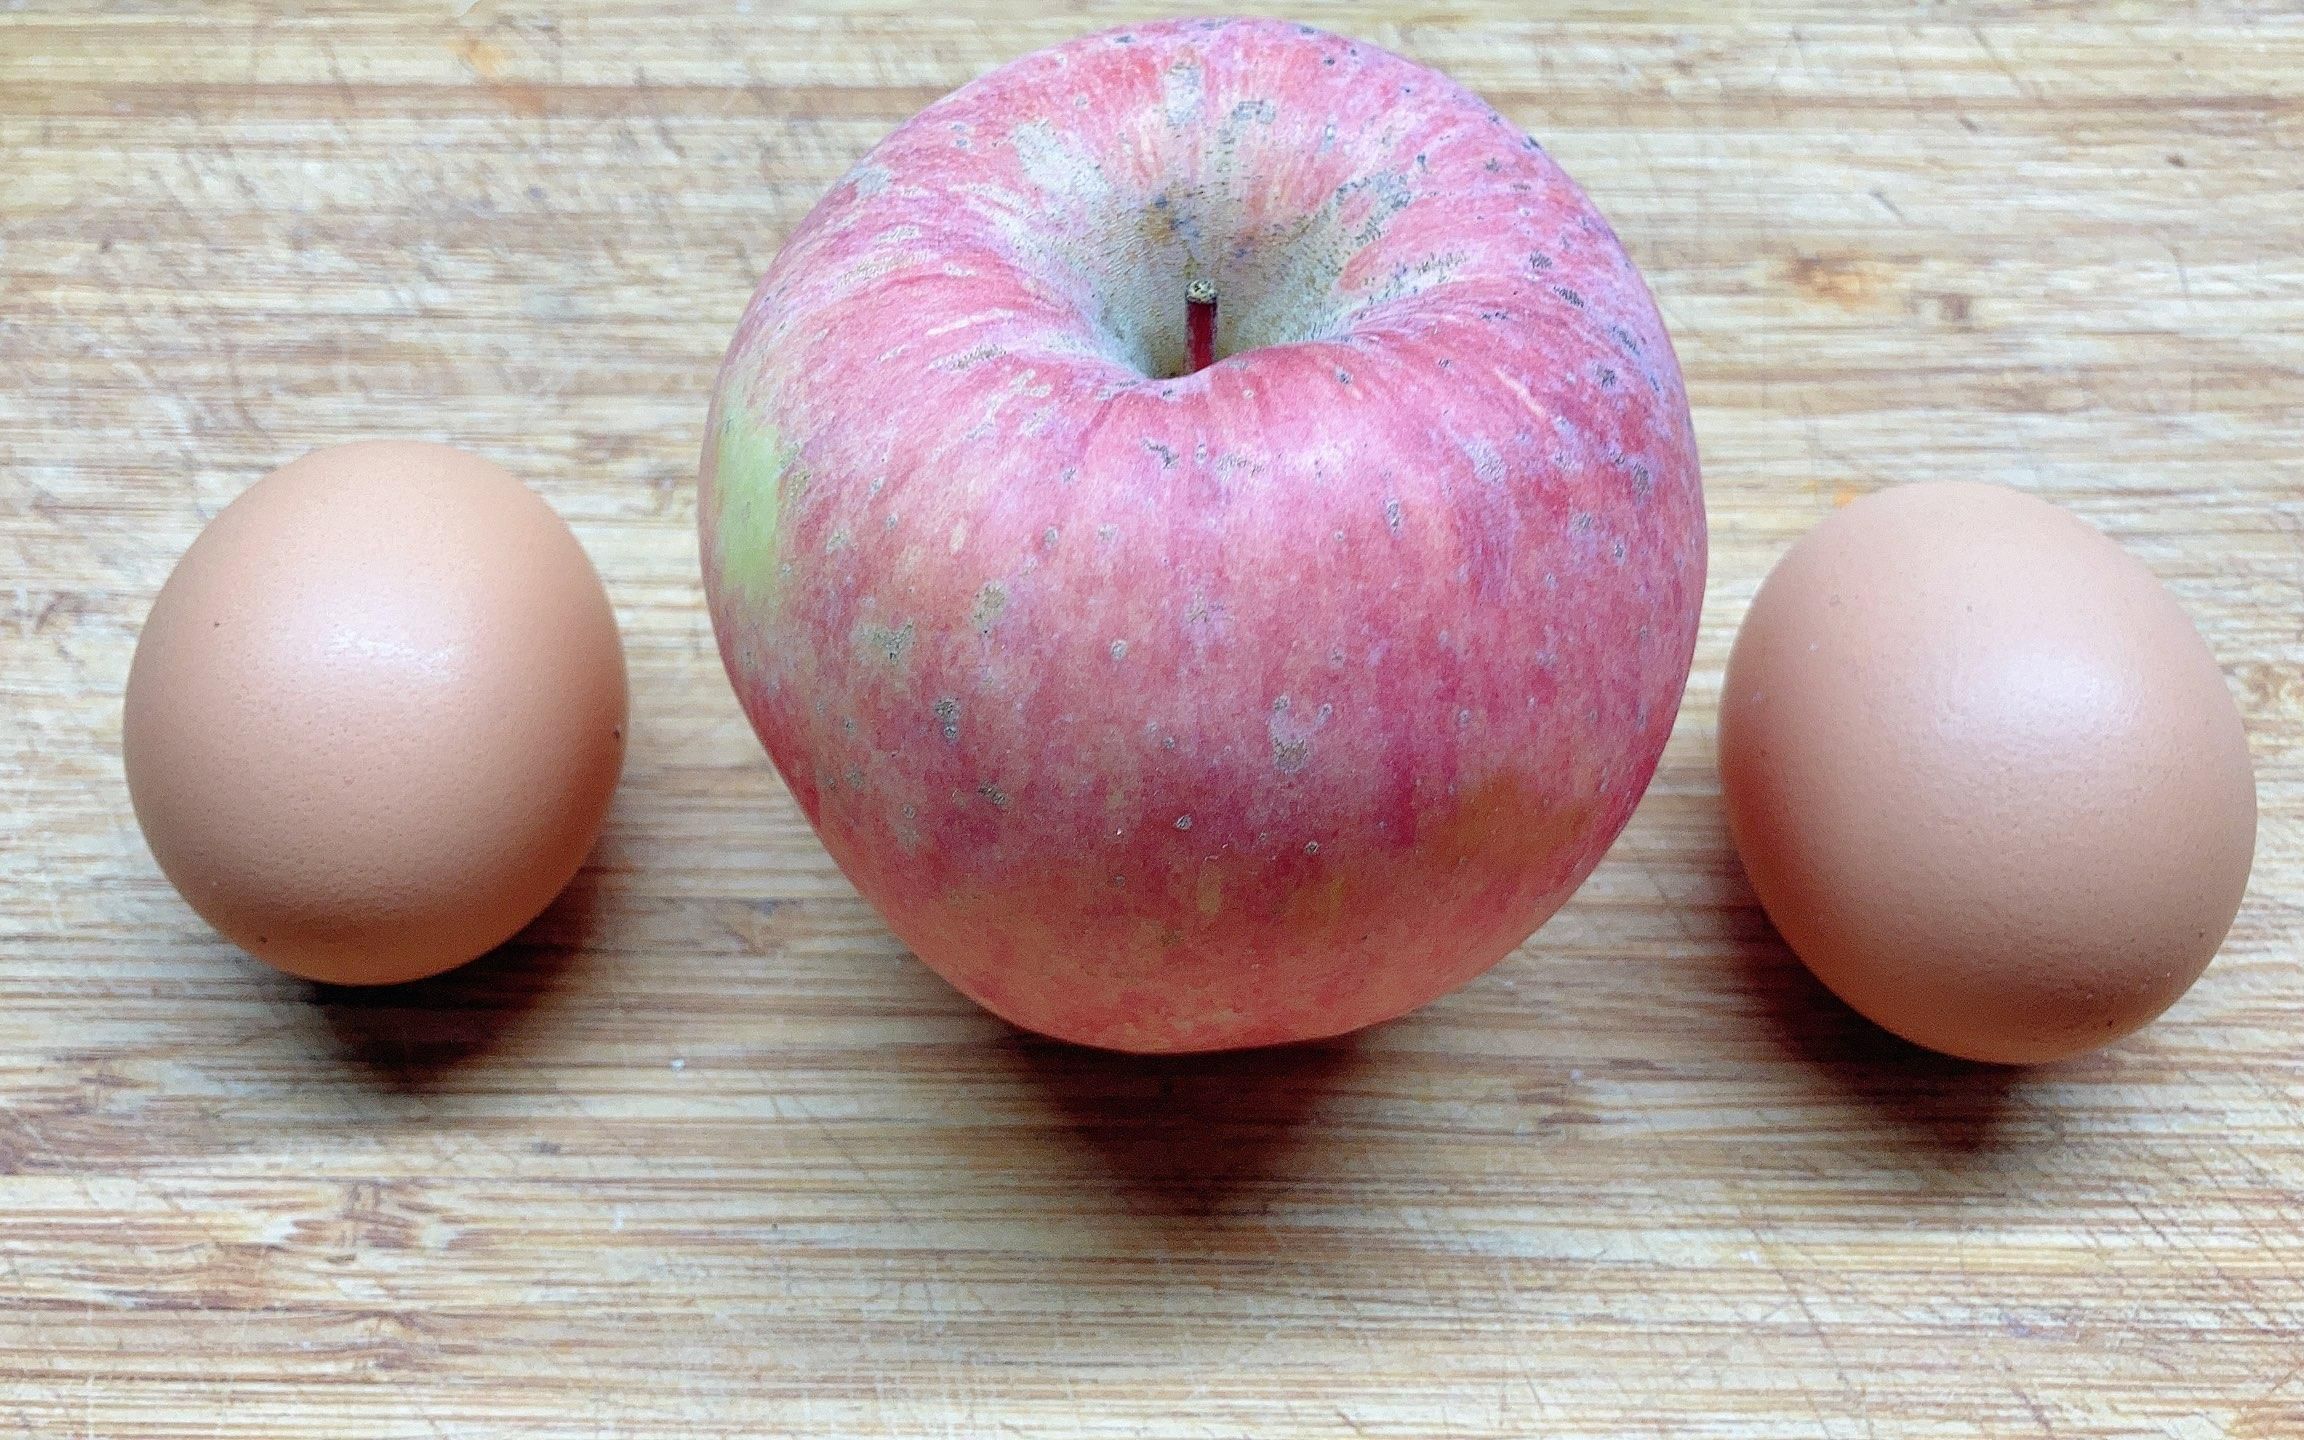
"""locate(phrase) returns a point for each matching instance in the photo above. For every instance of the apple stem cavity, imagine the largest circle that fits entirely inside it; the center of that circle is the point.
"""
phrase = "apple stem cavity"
(1199, 325)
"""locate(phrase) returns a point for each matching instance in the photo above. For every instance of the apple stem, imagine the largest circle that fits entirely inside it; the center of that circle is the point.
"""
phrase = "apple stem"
(1199, 325)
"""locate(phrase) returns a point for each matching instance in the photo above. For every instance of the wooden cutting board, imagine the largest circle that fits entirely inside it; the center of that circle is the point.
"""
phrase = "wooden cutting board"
(706, 1154)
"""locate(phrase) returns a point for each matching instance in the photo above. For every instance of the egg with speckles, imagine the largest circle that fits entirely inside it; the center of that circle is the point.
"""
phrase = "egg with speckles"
(376, 714)
(1205, 520)
(1984, 774)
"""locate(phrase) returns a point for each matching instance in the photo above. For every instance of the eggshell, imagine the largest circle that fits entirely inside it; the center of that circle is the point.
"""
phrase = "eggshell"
(1984, 774)
(377, 713)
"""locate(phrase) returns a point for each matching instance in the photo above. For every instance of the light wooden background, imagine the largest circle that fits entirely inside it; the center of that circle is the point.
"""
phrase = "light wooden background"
(705, 1154)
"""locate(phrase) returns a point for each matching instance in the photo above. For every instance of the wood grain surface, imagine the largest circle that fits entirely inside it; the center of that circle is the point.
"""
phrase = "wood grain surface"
(706, 1154)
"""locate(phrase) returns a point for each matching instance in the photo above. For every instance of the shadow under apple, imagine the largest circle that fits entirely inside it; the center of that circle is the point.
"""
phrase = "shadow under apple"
(1190, 1137)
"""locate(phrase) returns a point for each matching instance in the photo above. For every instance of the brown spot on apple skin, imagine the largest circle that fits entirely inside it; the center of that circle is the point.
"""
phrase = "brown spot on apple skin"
(990, 602)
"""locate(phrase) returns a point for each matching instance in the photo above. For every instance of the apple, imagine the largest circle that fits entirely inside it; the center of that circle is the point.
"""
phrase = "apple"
(1205, 520)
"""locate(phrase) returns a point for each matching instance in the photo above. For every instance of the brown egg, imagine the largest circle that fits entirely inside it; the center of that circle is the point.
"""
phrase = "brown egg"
(376, 716)
(1984, 774)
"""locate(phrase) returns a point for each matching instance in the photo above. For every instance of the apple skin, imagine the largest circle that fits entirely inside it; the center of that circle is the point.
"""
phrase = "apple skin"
(1251, 706)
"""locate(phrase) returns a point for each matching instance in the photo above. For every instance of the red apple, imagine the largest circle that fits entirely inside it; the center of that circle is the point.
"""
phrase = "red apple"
(1178, 711)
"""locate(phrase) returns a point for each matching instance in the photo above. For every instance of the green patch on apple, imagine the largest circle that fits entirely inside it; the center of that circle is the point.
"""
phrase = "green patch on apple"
(753, 472)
